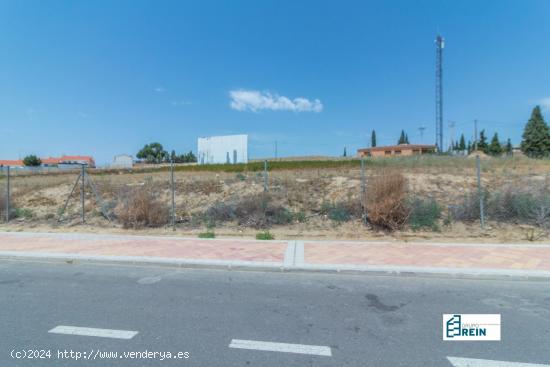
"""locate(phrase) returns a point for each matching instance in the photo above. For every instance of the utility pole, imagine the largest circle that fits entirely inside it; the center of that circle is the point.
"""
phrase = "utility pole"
(172, 187)
(82, 192)
(452, 128)
(475, 134)
(440, 44)
(7, 194)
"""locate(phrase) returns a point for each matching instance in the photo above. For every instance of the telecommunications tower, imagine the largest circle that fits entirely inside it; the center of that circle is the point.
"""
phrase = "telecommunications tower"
(440, 44)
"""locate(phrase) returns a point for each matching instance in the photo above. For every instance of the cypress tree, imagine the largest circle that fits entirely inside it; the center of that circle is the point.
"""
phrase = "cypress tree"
(536, 136)
(509, 147)
(494, 148)
(482, 144)
(402, 139)
(373, 139)
(462, 144)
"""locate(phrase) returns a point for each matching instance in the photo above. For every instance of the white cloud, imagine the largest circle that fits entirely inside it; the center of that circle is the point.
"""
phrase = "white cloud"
(545, 103)
(253, 100)
(160, 89)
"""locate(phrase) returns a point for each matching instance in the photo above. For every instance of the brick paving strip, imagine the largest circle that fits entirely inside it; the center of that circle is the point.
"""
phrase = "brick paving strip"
(521, 260)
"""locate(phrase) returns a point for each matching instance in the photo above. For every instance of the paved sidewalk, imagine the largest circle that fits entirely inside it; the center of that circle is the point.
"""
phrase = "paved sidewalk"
(502, 260)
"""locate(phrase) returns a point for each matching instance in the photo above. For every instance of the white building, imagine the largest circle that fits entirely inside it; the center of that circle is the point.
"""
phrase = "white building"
(123, 161)
(223, 149)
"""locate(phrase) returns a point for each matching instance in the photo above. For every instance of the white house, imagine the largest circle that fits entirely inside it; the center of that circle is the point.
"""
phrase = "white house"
(123, 161)
(229, 149)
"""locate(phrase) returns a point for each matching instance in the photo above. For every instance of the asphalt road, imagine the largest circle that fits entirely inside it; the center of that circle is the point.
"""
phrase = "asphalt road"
(363, 320)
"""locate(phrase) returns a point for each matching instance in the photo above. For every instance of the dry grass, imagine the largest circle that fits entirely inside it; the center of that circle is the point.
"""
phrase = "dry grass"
(321, 196)
(139, 207)
(387, 201)
(204, 187)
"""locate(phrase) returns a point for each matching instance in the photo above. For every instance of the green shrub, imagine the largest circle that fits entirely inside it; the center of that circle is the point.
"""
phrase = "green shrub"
(467, 209)
(512, 205)
(337, 212)
(424, 213)
(207, 234)
(23, 213)
(240, 176)
(282, 216)
(300, 217)
(265, 235)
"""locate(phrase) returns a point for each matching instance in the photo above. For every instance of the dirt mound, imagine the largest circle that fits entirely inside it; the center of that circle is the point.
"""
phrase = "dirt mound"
(479, 153)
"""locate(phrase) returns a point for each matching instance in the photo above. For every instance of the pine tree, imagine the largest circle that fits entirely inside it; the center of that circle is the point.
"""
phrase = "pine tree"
(536, 136)
(494, 148)
(407, 139)
(462, 144)
(509, 148)
(373, 139)
(345, 152)
(482, 144)
(469, 147)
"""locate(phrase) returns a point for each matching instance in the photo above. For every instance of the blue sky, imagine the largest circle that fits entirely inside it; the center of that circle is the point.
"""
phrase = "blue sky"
(106, 77)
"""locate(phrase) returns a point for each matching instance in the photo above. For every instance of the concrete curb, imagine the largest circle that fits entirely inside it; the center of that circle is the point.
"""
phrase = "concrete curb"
(464, 273)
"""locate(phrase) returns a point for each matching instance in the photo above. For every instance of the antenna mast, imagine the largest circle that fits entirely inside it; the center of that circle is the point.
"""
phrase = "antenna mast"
(440, 44)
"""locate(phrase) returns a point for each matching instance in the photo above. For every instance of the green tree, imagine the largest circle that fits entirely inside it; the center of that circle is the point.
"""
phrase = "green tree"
(373, 139)
(407, 139)
(482, 144)
(536, 136)
(494, 148)
(462, 143)
(345, 152)
(32, 161)
(173, 157)
(402, 138)
(189, 157)
(153, 153)
(469, 147)
(509, 148)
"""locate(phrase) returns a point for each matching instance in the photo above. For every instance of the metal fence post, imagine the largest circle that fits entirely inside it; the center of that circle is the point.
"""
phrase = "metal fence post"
(82, 192)
(265, 176)
(173, 195)
(7, 194)
(364, 189)
(480, 193)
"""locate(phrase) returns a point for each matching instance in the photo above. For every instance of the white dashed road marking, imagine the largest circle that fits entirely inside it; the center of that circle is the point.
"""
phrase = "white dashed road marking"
(471, 362)
(87, 331)
(281, 347)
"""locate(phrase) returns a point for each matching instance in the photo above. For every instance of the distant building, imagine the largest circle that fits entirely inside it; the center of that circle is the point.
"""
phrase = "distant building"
(11, 163)
(123, 161)
(49, 162)
(67, 161)
(75, 161)
(396, 150)
(229, 149)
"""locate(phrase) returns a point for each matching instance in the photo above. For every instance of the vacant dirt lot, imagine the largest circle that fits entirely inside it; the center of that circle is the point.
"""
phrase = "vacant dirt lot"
(301, 200)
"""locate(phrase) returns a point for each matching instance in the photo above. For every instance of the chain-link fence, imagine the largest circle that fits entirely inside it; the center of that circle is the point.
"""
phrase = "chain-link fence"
(415, 193)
